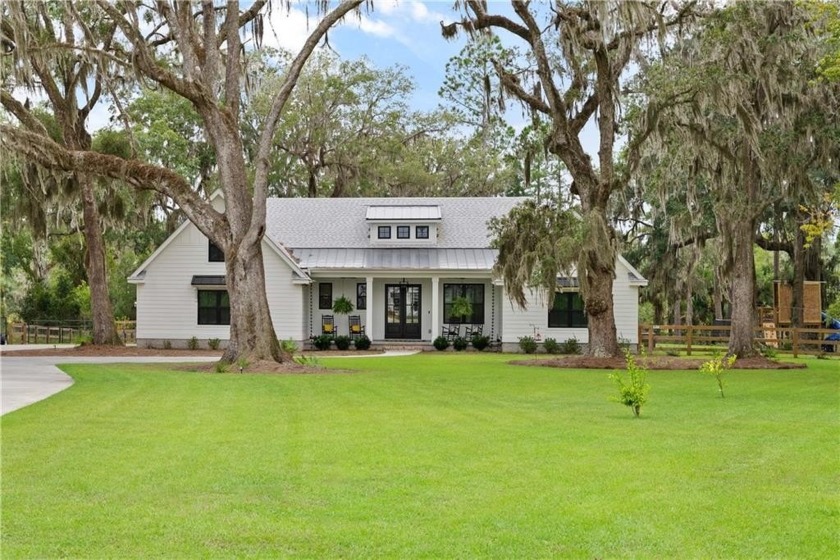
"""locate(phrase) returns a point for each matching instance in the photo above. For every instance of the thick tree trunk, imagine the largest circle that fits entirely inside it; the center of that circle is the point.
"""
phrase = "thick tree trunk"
(252, 336)
(596, 270)
(657, 311)
(743, 290)
(603, 341)
(102, 312)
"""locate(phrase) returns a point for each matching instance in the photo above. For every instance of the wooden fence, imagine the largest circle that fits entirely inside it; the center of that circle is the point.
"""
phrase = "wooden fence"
(704, 337)
(65, 333)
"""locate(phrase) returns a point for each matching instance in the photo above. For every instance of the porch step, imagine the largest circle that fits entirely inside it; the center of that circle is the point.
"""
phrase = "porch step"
(392, 344)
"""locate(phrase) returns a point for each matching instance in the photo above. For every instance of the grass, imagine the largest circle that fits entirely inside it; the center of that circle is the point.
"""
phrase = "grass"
(424, 456)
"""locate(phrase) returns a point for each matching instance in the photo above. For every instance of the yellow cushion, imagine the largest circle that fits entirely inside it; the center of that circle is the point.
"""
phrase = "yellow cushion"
(356, 328)
(328, 328)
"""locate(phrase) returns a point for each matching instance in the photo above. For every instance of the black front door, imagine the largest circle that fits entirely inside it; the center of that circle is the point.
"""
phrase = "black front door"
(402, 311)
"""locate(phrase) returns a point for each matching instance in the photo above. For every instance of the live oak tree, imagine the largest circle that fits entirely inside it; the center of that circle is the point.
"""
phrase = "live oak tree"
(43, 59)
(197, 51)
(577, 54)
(740, 101)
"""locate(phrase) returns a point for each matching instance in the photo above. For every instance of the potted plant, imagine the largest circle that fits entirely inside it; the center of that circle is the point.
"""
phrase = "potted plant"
(342, 306)
(461, 307)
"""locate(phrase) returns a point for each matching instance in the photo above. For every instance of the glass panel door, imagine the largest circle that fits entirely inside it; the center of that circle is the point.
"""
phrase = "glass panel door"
(403, 307)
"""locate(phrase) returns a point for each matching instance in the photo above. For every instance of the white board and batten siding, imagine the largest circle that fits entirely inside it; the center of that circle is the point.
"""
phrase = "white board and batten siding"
(534, 319)
(167, 302)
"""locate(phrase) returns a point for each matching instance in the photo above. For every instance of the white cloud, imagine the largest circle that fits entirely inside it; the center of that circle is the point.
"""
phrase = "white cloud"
(287, 29)
(420, 13)
(377, 27)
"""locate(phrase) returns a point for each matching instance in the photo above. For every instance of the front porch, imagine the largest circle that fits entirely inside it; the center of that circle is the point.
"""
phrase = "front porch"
(397, 310)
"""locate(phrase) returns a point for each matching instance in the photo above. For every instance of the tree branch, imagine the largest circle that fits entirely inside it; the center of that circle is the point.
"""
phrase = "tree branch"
(140, 175)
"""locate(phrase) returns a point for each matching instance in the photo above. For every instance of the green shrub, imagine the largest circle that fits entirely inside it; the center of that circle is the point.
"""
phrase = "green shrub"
(571, 346)
(362, 343)
(716, 368)
(528, 344)
(441, 343)
(551, 346)
(309, 361)
(634, 392)
(221, 366)
(767, 351)
(192, 343)
(289, 346)
(480, 342)
(322, 342)
(342, 342)
(213, 343)
(460, 343)
(167, 345)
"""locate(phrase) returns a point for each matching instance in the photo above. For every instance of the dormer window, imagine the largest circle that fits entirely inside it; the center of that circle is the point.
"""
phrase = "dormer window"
(403, 225)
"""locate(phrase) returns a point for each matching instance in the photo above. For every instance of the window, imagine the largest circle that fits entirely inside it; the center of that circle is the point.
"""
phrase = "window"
(361, 295)
(214, 254)
(213, 307)
(325, 295)
(474, 294)
(403, 232)
(384, 232)
(421, 232)
(567, 311)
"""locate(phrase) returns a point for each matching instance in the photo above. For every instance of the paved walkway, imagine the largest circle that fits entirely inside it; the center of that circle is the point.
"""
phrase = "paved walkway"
(28, 379)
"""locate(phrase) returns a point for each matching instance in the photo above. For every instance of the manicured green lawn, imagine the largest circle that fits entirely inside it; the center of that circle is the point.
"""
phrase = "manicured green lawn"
(435, 456)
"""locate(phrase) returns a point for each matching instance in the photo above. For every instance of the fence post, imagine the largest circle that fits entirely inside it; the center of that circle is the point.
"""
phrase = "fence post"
(795, 332)
(650, 339)
(688, 340)
(639, 339)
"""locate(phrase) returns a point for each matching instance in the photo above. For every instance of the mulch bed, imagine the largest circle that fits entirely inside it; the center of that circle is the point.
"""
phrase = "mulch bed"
(288, 367)
(650, 362)
(568, 362)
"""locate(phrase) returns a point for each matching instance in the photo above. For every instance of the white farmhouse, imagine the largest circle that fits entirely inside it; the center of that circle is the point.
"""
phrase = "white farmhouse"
(400, 261)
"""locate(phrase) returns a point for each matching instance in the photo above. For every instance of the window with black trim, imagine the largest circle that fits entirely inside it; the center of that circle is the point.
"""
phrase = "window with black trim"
(421, 232)
(474, 294)
(214, 253)
(567, 311)
(213, 307)
(384, 232)
(325, 295)
(361, 295)
(403, 232)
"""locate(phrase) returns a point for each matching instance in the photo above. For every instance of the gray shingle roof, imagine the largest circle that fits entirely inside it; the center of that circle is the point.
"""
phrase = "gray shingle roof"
(334, 223)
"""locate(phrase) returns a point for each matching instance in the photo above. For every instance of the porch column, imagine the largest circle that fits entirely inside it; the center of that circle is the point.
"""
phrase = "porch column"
(369, 310)
(435, 307)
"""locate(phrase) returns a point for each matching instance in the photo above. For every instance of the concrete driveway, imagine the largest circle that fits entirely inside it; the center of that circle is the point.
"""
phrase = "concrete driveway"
(28, 379)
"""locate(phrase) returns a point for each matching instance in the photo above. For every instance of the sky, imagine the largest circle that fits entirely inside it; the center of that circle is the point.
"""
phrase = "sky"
(393, 32)
(405, 32)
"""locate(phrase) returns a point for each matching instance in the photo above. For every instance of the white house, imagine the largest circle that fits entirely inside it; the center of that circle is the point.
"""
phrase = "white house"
(401, 262)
